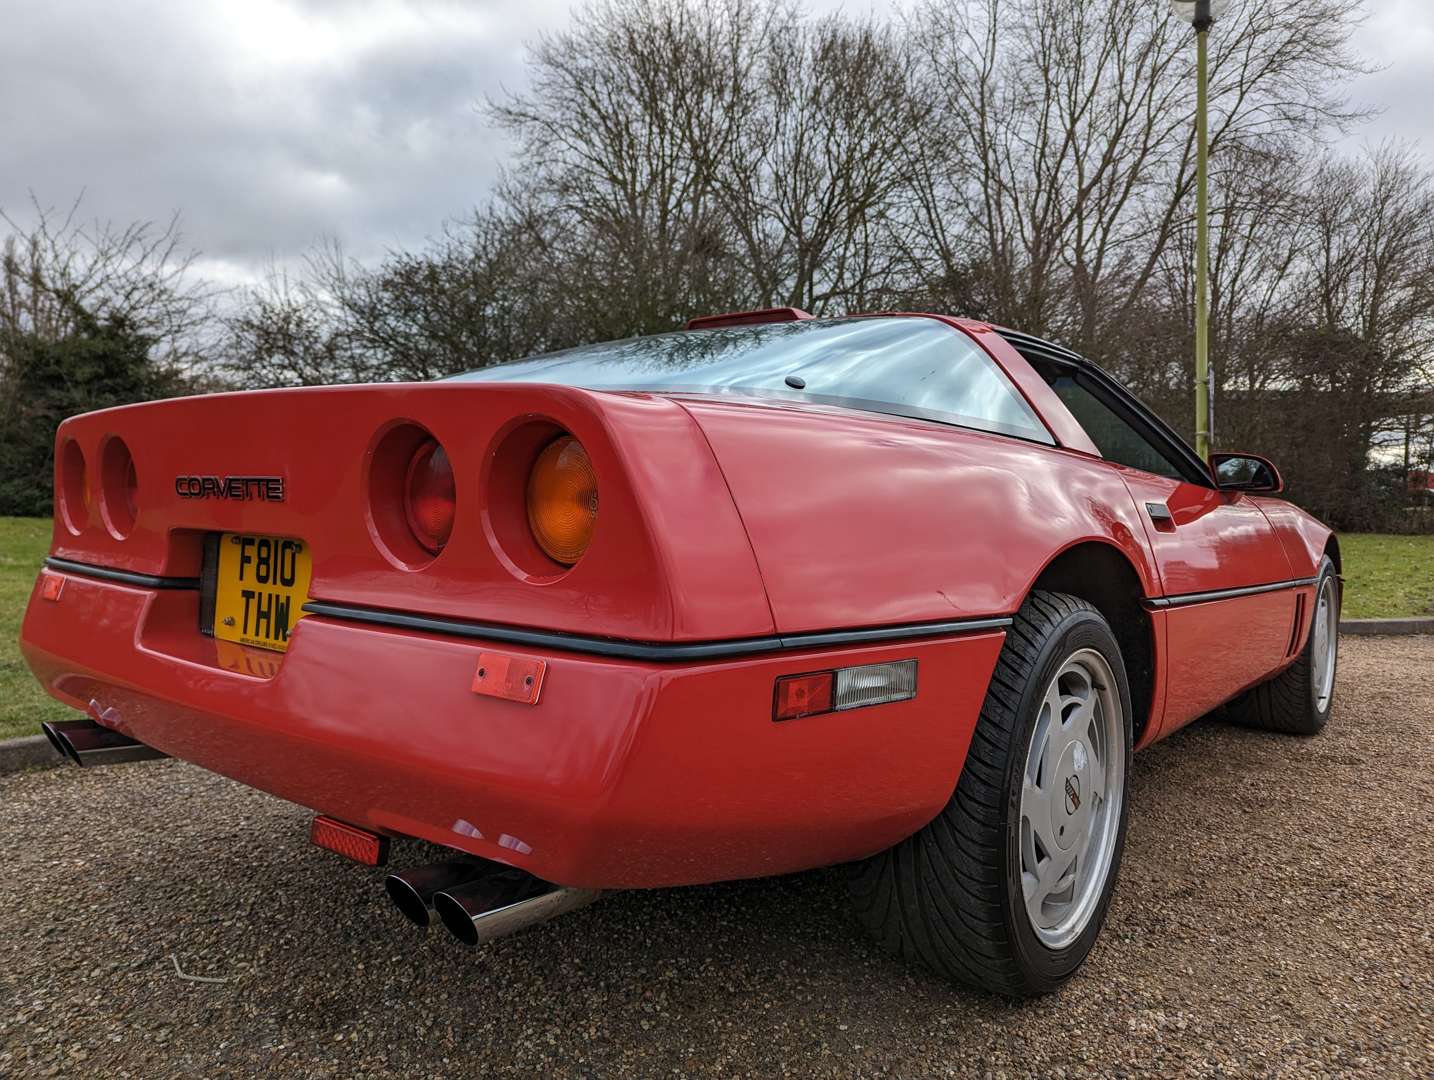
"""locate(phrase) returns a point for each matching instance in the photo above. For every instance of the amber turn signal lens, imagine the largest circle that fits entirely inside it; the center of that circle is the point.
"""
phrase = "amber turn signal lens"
(563, 500)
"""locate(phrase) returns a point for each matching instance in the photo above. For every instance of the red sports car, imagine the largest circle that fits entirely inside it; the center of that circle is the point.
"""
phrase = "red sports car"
(899, 591)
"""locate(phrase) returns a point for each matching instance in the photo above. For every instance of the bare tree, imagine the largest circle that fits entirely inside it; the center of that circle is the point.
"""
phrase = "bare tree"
(812, 178)
(1069, 135)
(59, 270)
(285, 333)
(483, 292)
(627, 112)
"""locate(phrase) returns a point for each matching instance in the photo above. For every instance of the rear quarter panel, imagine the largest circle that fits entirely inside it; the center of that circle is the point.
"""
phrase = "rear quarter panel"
(863, 520)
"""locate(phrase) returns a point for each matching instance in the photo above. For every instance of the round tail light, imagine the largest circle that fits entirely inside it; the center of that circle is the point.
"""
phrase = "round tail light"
(74, 494)
(119, 488)
(429, 496)
(563, 500)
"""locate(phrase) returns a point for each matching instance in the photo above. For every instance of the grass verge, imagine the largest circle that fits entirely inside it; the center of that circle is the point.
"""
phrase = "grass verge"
(23, 545)
(1387, 577)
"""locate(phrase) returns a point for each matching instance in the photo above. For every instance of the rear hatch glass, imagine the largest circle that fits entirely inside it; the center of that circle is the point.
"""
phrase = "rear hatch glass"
(898, 365)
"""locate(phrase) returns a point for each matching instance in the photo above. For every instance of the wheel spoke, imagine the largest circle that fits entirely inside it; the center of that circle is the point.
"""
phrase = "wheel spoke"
(1057, 734)
(1053, 876)
(1037, 766)
(1096, 777)
(1083, 715)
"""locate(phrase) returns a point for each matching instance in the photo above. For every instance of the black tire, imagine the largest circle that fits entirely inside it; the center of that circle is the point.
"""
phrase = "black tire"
(950, 897)
(1290, 702)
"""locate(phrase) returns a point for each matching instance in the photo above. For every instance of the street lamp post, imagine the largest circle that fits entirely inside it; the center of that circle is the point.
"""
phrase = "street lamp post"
(1202, 15)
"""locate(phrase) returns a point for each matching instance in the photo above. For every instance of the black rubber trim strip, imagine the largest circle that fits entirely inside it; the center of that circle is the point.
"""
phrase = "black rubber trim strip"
(643, 650)
(1116, 396)
(125, 577)
(1227, 594)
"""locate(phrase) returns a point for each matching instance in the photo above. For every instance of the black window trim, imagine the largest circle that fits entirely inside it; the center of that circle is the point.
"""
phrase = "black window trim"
(1111, 393)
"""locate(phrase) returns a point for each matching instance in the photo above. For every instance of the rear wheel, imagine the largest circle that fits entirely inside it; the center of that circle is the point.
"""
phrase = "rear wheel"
(1298, 700)
(1007, 888)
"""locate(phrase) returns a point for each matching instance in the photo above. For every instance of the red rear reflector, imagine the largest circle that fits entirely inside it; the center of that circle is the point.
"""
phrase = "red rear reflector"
(802, 695)
(350, 841)
(509, 677)
(51, 585)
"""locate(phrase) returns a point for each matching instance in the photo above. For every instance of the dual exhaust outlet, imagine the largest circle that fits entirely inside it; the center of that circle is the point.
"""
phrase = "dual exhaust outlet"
(480, 902)
(87, 743)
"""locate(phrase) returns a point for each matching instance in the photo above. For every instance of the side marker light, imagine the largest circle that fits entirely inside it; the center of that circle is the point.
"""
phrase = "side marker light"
(820, 692)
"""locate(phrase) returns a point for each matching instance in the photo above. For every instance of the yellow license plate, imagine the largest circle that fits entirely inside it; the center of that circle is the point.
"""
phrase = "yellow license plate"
(261, 587)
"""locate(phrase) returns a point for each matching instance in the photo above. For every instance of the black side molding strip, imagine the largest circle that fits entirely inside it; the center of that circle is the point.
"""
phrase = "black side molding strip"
(1226, 594)
(644, 650)
(124, 577)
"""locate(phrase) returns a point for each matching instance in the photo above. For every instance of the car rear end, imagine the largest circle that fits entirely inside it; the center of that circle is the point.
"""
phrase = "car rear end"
(411, 609)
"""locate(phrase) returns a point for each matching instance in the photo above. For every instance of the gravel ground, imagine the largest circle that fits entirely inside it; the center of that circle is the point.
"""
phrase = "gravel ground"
(1272, 918)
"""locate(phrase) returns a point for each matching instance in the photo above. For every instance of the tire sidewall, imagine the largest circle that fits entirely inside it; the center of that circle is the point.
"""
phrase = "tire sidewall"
(1045, 968)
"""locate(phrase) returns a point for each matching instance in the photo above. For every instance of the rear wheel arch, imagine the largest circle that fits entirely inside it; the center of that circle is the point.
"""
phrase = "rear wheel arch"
(1100, 574)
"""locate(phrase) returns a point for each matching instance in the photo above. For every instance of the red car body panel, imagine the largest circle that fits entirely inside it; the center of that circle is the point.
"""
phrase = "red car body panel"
(953, 498)
(669, 563)
(625, 774)
(773, 538)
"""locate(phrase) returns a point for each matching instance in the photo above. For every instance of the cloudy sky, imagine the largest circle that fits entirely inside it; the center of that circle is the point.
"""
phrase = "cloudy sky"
(268, 124)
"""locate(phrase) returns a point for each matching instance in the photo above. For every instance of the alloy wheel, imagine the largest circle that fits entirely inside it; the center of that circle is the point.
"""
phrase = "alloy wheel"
(1071, 795)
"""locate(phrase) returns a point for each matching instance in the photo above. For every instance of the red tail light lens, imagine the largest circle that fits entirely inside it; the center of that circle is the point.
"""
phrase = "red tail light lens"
(73, 498)
(131, 490)
(119, 488)
(430, 497)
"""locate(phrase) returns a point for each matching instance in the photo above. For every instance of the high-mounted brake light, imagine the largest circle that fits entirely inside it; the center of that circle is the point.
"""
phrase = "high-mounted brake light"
(563, 500)
(845, 688)
(430, 498)
(748, 318)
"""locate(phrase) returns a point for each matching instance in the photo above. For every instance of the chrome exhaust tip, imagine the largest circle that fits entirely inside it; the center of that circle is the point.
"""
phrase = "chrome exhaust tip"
(412, 891)
(86, 743)
(56, 743)
(504, 902)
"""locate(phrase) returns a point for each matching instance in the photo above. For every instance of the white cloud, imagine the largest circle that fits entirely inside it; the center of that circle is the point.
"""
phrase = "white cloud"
(272, 123)
(1399, 36)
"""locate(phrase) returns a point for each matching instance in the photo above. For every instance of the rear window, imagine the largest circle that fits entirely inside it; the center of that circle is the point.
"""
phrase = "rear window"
(901, 366)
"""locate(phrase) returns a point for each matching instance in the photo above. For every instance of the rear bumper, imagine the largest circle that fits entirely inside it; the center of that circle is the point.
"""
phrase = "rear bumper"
(624, 774)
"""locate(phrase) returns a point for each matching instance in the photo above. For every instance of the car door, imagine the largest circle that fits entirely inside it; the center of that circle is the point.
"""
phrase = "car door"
(1228, 604)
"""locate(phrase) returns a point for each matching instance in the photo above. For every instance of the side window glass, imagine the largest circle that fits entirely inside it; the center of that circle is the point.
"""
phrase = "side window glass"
(1116, 440)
